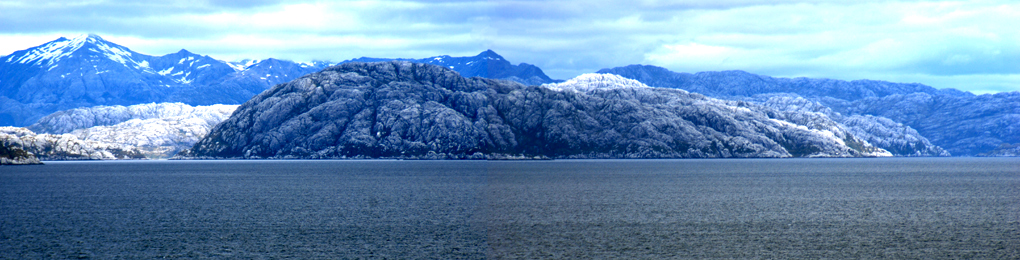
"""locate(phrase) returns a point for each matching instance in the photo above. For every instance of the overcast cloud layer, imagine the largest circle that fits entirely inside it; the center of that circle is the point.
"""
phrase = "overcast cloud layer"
(967, 45)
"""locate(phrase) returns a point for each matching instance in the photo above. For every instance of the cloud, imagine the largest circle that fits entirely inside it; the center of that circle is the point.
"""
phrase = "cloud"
(932, 42)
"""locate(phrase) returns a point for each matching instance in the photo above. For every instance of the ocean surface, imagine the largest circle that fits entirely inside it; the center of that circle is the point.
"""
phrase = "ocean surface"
(927, 208)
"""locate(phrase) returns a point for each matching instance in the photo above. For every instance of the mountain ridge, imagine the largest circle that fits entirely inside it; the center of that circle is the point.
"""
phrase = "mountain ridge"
(399, 109)
(960, 122)
(88, 71)
(487, 64)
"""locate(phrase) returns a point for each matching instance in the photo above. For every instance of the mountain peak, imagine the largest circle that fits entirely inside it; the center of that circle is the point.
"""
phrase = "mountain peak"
(85, 38)
(50, 52)
(91, 36)
(489, 54)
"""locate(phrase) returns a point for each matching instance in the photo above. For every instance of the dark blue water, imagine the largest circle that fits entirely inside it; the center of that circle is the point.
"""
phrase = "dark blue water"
(798, 208)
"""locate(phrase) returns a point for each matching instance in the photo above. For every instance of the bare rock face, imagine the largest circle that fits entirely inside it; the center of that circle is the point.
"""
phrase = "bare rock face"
(12, 153)
(407, 110)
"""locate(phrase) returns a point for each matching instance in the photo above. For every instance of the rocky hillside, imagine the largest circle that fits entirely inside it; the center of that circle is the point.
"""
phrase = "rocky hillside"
(898, 139)
(962, 123)
(64, 147)
(158, 130)
(407, 110)
(11, 153)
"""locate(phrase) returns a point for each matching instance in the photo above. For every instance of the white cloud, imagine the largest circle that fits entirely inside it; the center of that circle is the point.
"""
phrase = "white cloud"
(934, 43)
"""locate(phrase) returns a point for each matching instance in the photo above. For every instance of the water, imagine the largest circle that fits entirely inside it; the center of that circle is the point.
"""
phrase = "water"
(775, 208)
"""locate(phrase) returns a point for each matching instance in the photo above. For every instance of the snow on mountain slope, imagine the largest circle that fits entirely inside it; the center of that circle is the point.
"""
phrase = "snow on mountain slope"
(410, 110)
(79, 118)
(158, 130)
(906, 119)
(89, 71)
(899, 139)
(592, 81)
(49, 53)
(65, 146)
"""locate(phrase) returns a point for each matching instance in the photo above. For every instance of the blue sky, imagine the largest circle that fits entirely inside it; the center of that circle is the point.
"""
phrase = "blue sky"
(967, 45)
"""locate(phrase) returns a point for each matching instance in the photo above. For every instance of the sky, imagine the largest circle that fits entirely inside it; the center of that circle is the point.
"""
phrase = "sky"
(967, 45)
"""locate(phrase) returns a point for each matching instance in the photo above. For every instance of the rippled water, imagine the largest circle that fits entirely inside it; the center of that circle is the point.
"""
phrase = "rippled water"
(746, 208)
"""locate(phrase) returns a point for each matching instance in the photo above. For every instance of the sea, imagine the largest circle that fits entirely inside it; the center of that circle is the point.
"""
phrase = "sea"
(870, 208)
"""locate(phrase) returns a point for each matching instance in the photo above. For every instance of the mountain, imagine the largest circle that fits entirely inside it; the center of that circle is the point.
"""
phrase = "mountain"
(898, 139)
(68, 73)
(12, 153)
(962, 123)
(737, 83)
(89, 71)
(410, 110)
(1005, 150)
(251, 80)
(63, 147)
(487, 64)
(157, 130)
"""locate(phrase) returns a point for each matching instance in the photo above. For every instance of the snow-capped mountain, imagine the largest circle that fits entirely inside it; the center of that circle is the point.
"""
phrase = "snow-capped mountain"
(487, 64)
(260, 75)
(187, 68)
(962, 123)
(157, 130)
(400, 109)
(88, 71)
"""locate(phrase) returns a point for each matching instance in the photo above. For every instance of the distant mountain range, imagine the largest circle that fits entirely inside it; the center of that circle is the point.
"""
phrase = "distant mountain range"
(89, 78)
(962, 123)
(400, 109)
(487, 64)
(89, 71)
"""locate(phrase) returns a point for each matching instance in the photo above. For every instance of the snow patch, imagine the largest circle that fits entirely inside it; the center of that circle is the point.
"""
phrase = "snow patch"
(166, 71)
(51, 52)
(593, 81)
